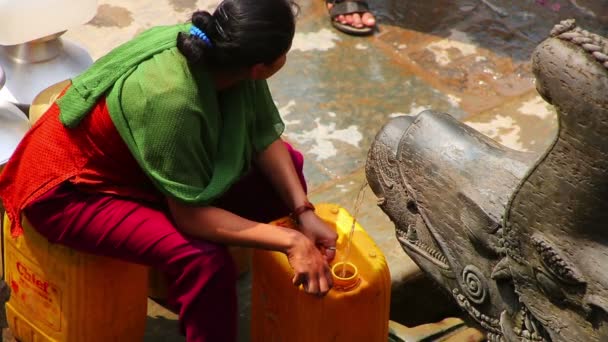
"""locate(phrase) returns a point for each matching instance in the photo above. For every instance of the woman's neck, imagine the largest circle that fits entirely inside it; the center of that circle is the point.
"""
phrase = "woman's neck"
(226, 79)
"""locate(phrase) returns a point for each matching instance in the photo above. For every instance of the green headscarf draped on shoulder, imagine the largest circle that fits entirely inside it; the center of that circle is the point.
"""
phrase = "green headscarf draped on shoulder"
(192, 141)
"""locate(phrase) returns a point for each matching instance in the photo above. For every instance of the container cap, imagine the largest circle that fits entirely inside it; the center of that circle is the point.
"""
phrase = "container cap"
(13, 126)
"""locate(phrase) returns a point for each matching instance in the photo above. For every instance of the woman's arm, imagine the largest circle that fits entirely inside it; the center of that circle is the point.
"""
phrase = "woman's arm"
(218, 225)
(276, 164)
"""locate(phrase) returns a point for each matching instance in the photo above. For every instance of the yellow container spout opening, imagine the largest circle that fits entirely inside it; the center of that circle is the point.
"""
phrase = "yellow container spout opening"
(345, 276)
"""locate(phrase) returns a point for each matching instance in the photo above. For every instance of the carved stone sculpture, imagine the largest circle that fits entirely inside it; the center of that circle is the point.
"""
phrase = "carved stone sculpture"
(520, 241)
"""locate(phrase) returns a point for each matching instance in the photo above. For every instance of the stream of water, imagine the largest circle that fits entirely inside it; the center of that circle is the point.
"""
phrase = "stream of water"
(357, 206)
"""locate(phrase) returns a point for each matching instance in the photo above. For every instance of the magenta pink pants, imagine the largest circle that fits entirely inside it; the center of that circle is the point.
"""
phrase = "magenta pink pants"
(201, 273)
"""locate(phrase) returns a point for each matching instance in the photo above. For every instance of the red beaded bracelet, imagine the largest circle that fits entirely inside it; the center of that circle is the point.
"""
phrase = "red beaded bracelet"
(301, 209)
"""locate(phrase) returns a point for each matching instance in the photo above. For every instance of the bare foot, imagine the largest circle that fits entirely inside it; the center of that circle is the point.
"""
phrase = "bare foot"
(355, 20)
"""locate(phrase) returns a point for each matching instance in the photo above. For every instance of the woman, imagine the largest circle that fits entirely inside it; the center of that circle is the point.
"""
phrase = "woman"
(146, 157)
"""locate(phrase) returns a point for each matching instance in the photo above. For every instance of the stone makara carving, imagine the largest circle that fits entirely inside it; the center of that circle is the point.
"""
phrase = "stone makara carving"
(520, 241)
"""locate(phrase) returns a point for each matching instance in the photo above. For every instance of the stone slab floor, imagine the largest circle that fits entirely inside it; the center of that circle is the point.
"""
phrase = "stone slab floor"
(465, 57)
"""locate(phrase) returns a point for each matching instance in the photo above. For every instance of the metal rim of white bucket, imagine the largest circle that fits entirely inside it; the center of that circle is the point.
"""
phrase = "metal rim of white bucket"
(2, 77)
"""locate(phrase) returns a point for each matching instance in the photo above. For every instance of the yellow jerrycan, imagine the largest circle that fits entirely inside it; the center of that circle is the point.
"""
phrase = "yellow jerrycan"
(59, 294)
(356, 309)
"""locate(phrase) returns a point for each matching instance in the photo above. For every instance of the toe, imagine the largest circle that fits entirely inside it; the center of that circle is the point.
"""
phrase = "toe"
(356, 20)
(368, 19)
(349, 19)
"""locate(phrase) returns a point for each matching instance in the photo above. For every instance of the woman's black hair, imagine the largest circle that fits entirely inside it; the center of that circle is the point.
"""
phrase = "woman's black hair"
(242, 33)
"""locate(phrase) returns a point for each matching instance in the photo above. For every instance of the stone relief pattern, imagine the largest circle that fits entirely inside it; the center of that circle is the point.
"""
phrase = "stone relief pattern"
(540, 277)
(555, 221)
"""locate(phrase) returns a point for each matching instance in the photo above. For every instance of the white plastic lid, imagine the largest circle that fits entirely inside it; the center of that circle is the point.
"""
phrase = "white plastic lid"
(13, 126)
(27, 20)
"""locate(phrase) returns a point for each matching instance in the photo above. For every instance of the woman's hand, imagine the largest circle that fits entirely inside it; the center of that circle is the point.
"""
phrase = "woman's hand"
(310, 267)
(278, 166)
(319, 233)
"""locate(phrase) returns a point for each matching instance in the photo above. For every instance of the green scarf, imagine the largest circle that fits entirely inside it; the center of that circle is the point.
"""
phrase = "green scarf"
(192, 141)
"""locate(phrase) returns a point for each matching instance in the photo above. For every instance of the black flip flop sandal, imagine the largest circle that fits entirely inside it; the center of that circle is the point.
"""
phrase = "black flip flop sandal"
(346, 7)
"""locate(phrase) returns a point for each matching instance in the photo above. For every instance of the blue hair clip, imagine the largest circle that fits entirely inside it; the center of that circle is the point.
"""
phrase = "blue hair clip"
(195, 31)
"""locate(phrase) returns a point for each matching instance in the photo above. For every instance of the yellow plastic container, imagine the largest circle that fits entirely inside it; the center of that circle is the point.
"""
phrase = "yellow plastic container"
(59, 294)
(356, 309)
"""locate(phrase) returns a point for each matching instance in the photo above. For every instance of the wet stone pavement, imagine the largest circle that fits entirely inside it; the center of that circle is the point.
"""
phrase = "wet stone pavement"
(464, 57)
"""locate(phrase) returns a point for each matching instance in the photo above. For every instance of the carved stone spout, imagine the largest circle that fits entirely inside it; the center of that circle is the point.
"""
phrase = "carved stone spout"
(519, 241)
